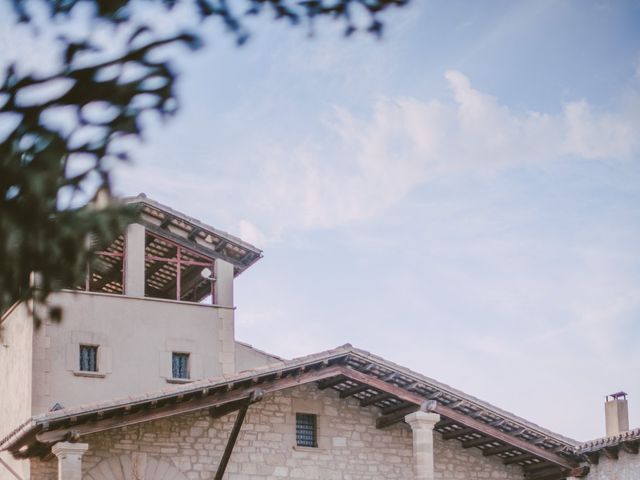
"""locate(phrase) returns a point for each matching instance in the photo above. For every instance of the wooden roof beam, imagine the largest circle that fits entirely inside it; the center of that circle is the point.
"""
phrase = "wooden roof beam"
(517, 458)
(365, 402)
(612, 452)
(330, 382)
(457, 433)
(395, 407)
(497, 450)
(385, 421)
(475, 442)
(631, 447)
(558, 474)
(353, 390)
(459, 418)
(593, 457)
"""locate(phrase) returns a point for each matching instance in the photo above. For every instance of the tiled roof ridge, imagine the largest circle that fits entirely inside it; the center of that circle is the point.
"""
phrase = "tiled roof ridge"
(612, 440)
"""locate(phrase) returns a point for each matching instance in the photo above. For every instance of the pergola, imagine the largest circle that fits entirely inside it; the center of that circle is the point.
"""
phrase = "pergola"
(177, 249)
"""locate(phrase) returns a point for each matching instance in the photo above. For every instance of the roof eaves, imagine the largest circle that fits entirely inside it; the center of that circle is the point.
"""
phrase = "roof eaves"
(611, 441)
(569, 442)
(142, 198)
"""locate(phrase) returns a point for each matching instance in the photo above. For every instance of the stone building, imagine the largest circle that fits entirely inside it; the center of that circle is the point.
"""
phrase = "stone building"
(144, 379)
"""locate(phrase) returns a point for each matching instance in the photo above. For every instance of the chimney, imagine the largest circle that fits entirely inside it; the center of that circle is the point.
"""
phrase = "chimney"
(616, 412)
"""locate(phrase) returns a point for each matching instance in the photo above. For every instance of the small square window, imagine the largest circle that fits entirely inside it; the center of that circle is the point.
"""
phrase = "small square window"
(306, 430)
(88, 358)
(180, 365)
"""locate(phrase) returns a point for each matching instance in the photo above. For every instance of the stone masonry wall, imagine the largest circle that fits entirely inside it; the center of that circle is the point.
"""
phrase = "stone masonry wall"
(350, 447)
(627, 467)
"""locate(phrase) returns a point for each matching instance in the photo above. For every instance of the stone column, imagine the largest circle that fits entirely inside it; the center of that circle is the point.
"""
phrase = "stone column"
(134, 260)
(224, 283)
(422, 424)
(69, 459)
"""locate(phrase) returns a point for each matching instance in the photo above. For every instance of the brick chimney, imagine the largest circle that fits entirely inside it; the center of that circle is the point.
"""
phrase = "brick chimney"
(616, 411)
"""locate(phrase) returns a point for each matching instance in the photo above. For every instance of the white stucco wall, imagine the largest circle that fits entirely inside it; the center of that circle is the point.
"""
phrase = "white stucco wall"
(136, 337)
(350, 446)
(16, 337)
(248, 358)
(627, 467)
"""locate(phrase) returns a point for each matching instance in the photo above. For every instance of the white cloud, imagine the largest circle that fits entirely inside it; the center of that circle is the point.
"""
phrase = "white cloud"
(251, 233)
(375, 161)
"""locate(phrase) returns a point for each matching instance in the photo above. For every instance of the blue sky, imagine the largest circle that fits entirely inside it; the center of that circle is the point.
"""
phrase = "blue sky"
(460, 197)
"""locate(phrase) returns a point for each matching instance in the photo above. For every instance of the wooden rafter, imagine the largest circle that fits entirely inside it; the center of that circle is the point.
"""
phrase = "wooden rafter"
(631, 447)
(475, 442)
(353, 390)
(459, 418)
(365, 402)
(459, 432)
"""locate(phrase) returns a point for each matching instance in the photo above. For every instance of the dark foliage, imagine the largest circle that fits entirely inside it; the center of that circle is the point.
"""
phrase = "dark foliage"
(49, 168)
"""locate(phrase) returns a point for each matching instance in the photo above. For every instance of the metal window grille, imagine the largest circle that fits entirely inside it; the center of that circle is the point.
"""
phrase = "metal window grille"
(180, 365)
(306, 430)
(88, 358)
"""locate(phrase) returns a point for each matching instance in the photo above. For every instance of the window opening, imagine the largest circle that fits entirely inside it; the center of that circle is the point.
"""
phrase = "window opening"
(306, 430)
(88, 358)
(180, 365)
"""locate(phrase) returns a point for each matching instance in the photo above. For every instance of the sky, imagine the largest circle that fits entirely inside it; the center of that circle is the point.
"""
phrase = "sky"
(460, 197)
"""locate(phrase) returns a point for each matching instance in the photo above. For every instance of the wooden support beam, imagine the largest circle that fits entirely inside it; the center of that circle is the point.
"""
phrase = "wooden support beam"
(631, 447)
(611, 452)
(444, 423)
(353, 390)
(553, 473)
(517, 458)
(218, 411)
(394, 408)
(474, 442)
(194, 233)
(531, 468)
(593, 457)
(459, 418)
(195, 404)
(256, 396)
(580, 472)
(457, 433)
(549, 472)
(548, 475)
(385, 421)
(365, 402)
(330, 382)
(196, 247)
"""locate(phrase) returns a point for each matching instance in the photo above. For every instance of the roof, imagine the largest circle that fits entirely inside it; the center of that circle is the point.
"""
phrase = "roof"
(192, 233)
(629, 440)
(354, 373)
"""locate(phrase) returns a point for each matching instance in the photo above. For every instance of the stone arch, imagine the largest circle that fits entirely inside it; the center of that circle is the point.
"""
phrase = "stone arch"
(137, 466)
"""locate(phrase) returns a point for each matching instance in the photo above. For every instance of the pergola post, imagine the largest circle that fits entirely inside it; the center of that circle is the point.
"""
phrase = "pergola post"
(422, 424)
(134, 260)
(224, 283)
(69, 459)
